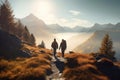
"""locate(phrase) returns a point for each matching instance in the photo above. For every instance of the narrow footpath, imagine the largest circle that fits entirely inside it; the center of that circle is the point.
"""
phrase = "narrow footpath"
(57, 65)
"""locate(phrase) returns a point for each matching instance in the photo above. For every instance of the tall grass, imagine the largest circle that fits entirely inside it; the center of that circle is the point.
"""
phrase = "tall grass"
(81, 67)
(33, 68)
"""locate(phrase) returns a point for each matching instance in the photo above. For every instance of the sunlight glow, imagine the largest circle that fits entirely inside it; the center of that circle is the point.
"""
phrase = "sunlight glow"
(42, 8)
(46, 11)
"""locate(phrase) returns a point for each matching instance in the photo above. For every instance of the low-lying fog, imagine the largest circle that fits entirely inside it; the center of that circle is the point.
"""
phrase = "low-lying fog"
(73, 39)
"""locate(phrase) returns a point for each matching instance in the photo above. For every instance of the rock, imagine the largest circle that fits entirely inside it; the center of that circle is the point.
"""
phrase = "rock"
(10, 46)
(107, 67)
(42, 51)
(71, 52)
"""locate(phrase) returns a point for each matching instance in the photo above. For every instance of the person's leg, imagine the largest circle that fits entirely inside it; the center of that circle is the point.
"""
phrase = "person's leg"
(54, 52)
(63, 53)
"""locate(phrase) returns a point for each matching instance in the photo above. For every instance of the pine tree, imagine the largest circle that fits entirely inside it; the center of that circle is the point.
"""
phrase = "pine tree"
(6, 17)
(19, 29)
(107, 47)
(32, 39)
(26, 35)
(42, 45)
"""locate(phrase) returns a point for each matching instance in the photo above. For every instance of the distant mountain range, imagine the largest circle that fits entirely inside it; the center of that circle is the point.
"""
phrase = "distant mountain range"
(59, 29)
(55, 28)
(108, 26)
(38, 27)
(94, 42)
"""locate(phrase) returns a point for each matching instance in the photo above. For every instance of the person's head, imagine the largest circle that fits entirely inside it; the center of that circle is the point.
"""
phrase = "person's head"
(54, 39)
(63, 40)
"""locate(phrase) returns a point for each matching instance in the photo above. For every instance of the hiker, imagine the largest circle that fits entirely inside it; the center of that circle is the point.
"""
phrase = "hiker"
(63, 46)
(54, 45)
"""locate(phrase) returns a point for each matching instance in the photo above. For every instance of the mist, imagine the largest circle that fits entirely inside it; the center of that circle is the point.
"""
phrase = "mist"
(73, 39)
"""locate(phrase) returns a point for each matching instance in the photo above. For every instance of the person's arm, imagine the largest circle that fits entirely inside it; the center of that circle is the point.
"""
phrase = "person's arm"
(65, 44)
(57, 45)
(52, 45)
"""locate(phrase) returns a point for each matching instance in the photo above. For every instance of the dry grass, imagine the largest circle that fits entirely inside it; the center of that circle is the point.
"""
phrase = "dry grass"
(81, 67)
(117, 63)
(33, 68)
(27, 69)
(34, 50)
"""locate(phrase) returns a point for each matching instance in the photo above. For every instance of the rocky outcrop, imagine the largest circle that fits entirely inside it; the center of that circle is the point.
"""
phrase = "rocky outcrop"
(10, 46)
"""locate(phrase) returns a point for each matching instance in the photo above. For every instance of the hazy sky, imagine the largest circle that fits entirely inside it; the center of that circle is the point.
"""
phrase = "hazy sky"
(69, 12)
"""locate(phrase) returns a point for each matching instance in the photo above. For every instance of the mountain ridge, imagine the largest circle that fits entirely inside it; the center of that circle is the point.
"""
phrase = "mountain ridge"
(31, 19)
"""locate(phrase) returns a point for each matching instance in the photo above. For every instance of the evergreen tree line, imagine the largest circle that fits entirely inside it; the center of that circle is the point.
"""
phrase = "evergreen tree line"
(8, 24)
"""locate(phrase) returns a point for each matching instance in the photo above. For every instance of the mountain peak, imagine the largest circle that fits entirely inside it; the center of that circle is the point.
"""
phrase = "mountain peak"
(96, 24)
(31, 16)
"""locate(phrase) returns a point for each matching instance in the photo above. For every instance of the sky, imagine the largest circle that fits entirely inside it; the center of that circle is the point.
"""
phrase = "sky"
(69, 13)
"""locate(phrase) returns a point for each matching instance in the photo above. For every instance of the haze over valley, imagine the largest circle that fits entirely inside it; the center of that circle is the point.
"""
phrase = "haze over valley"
(75, 37)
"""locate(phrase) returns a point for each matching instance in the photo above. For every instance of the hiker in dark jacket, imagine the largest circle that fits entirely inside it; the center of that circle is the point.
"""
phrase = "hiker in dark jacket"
(63, 46)
(54, 45)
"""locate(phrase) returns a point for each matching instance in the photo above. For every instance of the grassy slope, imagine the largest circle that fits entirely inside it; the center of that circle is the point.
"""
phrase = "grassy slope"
(85, 67)
(35, 67)
(81, 67)
(38, 66)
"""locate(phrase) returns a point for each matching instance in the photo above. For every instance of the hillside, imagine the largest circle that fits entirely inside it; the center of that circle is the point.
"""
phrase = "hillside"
(94, 42)
(43, 66)
(74, 39)
(36, 67)
(40, 63)
(84, 66)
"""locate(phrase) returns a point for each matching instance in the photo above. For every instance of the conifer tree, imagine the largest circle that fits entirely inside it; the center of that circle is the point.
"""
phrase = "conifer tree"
(6, 17)
(107, 47)
(26, 35)
(32, 39)
(19, 29)
(42, 45)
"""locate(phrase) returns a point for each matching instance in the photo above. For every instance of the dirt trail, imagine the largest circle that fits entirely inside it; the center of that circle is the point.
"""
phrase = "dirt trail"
(57, 65)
